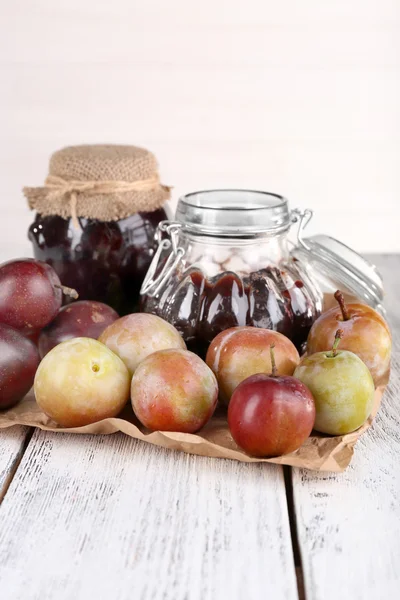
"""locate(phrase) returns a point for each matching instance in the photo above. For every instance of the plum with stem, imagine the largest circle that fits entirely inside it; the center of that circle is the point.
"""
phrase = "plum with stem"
(239, 352)
(342, 387)
(30, 294)
(365, 333)
(270, 415)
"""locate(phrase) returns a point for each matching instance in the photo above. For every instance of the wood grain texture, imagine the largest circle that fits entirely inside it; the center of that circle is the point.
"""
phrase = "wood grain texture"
(349, 524)
(11, 450)
(110, 517)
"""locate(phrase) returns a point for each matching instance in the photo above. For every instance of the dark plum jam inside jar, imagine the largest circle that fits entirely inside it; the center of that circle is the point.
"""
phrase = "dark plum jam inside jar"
(104, 261)
(268, 298)
(227, 263)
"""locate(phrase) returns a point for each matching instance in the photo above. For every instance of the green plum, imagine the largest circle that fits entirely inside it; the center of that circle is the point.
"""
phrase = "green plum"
(342, 387)
(81, 381)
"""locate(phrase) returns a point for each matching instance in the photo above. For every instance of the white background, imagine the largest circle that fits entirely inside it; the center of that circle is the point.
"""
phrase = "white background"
(299, 97)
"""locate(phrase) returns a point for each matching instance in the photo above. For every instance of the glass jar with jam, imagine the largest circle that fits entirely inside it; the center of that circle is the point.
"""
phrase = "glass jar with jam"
(96, 220)
(229, 264)
(227, 261)
(103, 260)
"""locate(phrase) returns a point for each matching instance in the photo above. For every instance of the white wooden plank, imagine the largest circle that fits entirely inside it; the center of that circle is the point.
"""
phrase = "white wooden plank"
(11, 450)
(349, 524)
(111, 517)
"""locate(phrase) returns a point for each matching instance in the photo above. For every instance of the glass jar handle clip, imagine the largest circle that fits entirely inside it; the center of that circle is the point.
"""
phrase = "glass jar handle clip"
(302, 218)
(153, 283)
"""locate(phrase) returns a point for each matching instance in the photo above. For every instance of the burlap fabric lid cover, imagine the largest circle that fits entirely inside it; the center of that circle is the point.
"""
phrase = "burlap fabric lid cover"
(104, 182)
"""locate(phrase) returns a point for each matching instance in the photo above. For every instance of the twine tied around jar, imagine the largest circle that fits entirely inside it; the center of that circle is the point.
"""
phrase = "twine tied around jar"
(58, 187)
(103, 182)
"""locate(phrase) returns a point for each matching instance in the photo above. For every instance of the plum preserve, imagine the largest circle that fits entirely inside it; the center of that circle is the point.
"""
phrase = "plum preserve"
(225, 262)
(103, 261)
(96, 218)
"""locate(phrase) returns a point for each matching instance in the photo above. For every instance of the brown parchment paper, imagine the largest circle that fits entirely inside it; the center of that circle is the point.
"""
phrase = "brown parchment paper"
(319, 452)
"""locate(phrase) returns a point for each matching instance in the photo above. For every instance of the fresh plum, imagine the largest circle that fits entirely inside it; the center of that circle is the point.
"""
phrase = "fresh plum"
(365, 333)
(30, 294)
(270, 415)
(19, 360)
(174, 390)
(81, 381)
(135, 336)
(83, 318)
(342, 387)
(239, 352)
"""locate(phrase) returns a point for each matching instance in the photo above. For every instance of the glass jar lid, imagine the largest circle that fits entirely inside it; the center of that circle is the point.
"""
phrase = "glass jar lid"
(337, 261)
(233, 213)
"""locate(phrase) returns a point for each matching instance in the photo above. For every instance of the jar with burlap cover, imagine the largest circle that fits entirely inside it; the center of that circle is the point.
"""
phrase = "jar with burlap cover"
(103, 182)
(96, 220)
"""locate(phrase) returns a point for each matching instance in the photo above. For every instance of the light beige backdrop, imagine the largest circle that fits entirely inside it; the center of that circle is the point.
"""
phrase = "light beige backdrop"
(296, 97)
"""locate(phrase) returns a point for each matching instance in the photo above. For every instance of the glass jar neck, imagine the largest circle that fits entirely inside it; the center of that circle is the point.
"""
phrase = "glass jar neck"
(244, 214)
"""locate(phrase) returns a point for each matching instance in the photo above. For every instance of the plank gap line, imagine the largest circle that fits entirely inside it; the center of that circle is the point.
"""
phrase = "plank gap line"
(287, 473)
(15, 464)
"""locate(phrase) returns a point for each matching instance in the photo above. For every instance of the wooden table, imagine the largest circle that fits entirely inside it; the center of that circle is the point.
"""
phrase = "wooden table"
(108, 517)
